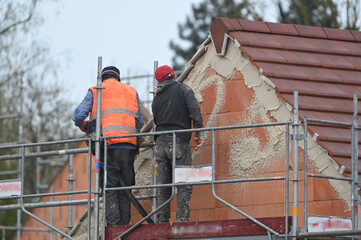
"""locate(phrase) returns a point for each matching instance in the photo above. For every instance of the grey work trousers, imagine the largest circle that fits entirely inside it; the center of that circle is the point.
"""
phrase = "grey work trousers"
(163, 156)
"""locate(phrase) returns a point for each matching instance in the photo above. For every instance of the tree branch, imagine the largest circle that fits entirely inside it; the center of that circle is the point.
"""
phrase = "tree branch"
(3, 31)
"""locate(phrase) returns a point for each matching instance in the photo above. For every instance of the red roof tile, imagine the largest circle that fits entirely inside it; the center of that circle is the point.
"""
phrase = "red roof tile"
(254, 26)
(309, 31)
(256, 40)
(339, 34)
(279, 28)
(322, 64)
(357, 35)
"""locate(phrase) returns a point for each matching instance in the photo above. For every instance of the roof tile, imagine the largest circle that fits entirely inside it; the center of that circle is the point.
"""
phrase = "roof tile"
(339, 34)
(258, 54)
(256, 39)
(292, 57)
(337, 148)
(355, 61)
(331, 135)
(220, 27)
(353, 47)
(322, 64)
(357, 35)
(334, 61)
(330, 75)
(234, 25)
(281, 28)
(283, 85)
(348, 77)
(296, 43)
(337, 47)
(309, 31)
(254, 26)
(341, 117)
(332, 90)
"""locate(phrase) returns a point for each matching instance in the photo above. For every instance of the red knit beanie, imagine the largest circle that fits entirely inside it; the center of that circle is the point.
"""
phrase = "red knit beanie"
(163, 72)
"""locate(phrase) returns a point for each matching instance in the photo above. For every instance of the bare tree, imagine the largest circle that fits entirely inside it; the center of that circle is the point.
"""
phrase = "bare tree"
(195, 29)
(321, 13)
(25, 73)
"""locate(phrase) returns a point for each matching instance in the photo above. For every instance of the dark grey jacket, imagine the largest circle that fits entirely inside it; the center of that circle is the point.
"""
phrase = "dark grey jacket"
(175, 107)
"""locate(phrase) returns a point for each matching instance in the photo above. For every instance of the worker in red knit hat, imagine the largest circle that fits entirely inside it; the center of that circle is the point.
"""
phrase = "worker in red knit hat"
(174, 108)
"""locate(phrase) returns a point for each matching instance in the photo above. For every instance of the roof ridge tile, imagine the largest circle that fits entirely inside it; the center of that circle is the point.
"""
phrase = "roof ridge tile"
(310, 31)
(282, 28)
(357, 35)
(254, 26)
(339, 34)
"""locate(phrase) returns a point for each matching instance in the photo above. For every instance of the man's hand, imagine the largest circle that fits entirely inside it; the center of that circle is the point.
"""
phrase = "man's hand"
(83, 125)
(198, 142)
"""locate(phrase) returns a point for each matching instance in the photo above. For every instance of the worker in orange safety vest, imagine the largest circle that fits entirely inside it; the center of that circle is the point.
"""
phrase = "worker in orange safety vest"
(120, 115)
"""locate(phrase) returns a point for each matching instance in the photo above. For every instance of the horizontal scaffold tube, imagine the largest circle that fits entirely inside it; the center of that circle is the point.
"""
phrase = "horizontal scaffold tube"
(45, 154)
(45, 204)
(329, 234)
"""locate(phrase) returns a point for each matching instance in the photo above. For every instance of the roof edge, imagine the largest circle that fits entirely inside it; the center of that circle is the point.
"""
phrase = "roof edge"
(224, 25)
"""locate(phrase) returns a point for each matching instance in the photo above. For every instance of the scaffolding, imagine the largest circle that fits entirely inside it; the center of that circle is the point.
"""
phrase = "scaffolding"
(92, 202)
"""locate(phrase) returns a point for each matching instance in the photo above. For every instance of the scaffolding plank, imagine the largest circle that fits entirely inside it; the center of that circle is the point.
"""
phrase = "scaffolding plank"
(200, 229)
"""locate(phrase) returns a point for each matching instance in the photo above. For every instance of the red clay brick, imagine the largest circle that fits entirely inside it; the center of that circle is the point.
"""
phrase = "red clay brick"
(267, 192)
(233, 193)
(237, 76)
(323, 190)
(210, 95)
(210, 73)
(202, 192)
(238, 97)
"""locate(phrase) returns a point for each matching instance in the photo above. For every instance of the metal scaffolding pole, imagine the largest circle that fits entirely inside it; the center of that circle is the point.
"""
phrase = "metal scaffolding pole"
(70, 197)
(38, 149)
(287, 176)
(22, 162)
(51, 213)
(305, 183)
(18, 224)
(295, 167)
(354, 195)
(154, 167)
(97, 151)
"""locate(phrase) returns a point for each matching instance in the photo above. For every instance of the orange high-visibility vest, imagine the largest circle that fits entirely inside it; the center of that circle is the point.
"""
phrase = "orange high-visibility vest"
(119, 109)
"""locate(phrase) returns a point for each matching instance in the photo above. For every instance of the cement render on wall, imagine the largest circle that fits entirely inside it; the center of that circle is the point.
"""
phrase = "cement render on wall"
(246, 155)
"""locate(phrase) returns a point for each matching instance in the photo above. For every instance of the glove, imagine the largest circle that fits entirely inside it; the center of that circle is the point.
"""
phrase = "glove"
(198, 142)
(83, 125)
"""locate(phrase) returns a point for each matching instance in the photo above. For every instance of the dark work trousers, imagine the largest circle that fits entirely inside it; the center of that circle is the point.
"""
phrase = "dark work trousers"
(163, 156)
(120, 163)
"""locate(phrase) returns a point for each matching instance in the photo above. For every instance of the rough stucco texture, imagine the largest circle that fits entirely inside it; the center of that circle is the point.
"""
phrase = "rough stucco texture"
(231, 92)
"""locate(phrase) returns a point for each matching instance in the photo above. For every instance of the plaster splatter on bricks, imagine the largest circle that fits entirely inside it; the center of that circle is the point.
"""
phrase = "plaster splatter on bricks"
(278, 109)
(217, 106)
(247, 153)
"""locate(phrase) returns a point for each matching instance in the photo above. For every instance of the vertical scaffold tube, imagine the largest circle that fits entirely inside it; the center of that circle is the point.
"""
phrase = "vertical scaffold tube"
(305, 210)
(97, 151)
(355, 196)
(287, 185)
(154, 167)
(295, 166)
(18, 222)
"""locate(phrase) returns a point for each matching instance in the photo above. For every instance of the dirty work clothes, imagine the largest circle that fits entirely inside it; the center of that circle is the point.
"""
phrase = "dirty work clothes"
(120, 164)
(163, 156)
(175, 107)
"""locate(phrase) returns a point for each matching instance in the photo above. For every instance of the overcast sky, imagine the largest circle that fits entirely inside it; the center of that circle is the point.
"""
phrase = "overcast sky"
(130, 35)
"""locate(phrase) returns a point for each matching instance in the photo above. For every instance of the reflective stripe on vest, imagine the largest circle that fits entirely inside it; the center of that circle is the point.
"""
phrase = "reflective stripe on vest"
(115, 111)
(119, 110)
